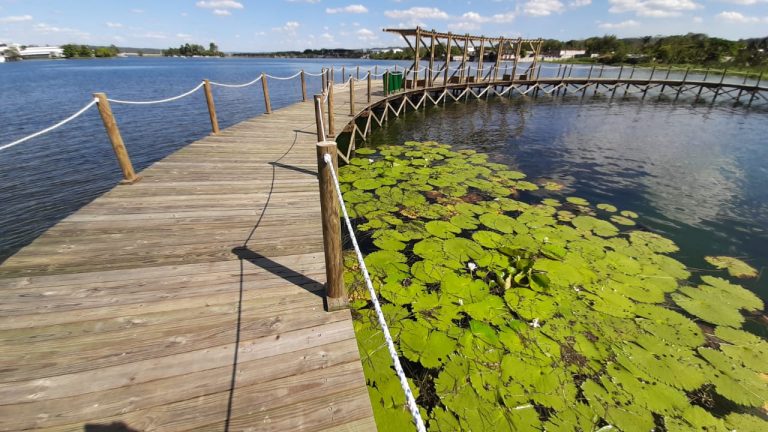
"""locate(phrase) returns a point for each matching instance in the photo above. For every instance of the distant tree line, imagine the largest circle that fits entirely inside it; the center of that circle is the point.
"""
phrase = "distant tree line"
(189, 50)
(84, 51)
(310, 53)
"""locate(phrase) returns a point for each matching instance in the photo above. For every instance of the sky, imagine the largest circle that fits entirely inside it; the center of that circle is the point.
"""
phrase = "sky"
(255, 26)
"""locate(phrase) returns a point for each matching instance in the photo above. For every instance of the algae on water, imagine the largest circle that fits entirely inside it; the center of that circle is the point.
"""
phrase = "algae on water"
(539, 314)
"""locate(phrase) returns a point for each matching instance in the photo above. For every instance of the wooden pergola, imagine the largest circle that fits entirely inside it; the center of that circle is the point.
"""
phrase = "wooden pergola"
(499, 49)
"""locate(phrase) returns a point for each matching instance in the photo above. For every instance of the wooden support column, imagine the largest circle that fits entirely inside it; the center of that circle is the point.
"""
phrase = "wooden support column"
(682, 84)
(462, 72)
(369, 87)
(645, 91)
(499, 55)
(666, 78)
(323, 79)
(331, 121)
(113, 132)
(615, 86)
(417, 55)
(358, 73)
(447, 59)
(211, 106)
(343, 74)
(264, 86)
(754, 92)
(517, 58)
(719, 85)
(480, 60)
(741, 90)
(303, 87)
(335, 293)
(351, 96)
(431, 71)
(319, 118)
(701, 88)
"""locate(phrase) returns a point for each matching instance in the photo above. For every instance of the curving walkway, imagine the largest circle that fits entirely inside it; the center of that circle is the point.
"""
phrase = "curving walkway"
(191, 300)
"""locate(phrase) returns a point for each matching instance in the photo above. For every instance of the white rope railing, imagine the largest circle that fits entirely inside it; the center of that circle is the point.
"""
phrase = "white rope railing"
(170, 99)
(249, 83)
(56, 126)
(410, 400)
(284, 78)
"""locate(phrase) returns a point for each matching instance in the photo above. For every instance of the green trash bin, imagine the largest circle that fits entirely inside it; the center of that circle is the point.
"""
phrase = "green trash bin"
(393, 82)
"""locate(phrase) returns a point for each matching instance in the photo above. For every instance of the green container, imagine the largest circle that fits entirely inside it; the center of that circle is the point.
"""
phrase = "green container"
(393, 82)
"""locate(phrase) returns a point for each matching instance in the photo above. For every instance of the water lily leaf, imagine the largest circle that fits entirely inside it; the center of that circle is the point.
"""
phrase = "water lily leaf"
(743, 347)
(654, 396)
(526, 186)
(745, 423)
(488, 239)
(607, 207)
(429, 271)
(430, 348)
(733, 382)
(616, 407)
(367, 184)
(484, 332)
(621, 220)
(552, 186)
(551, 202)
(462, 250)
(443, 421)
(577, 201)
(499, 222)
(629, 214)
(365, 151)
(674, 366)
(464, 222)
(530, 305)
(401, 293)
(739, 296)
(652, 241)
(442, 229)
(668, 325)
(736, 267)
(389, 243)
(491, 309)
(594, 225)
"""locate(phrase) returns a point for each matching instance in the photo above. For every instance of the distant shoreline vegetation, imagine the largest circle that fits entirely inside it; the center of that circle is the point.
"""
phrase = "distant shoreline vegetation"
(194, 50)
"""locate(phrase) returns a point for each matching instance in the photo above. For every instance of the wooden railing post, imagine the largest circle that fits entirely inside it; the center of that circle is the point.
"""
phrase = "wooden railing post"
(343, 74)
(267, 103)
(351, 96)
(211, 106)
(319, 117)
(369, 87)
(754, 92)
(129, 175)
(331, 123)
(303, 87)
(323, 78)
(358, 73)
(335, 294)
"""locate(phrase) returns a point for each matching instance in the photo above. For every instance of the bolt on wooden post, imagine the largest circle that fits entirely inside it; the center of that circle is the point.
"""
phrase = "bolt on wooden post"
(129, 175)
(264, 86)
(335, 293)
(211, 107)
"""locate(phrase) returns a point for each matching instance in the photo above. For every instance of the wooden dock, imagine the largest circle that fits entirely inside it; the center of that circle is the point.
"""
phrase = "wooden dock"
(191, 300)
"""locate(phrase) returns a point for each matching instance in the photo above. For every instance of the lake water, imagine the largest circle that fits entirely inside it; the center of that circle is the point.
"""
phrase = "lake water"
(697, 174)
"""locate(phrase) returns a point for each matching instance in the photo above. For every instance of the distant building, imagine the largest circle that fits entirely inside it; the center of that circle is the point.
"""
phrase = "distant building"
(42, 53)
(569, 54)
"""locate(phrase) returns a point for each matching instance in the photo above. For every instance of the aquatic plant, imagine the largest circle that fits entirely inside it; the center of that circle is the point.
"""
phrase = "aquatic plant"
(518, 311)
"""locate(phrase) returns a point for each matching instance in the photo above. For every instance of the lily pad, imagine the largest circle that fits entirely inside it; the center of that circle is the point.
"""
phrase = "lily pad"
(736, 267)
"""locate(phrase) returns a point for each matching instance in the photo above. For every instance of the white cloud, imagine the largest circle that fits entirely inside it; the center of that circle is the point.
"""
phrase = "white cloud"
(353, 9)
(183, 36)
(543, 7)
(698, 19)
(739, 18)
(222, 12)
(416, 14)
(620, 25)
(49, 29)
(472, 20)
(15, 19)
(745, 2)
(303, 1)
(653, 8)
(290, 28)
(113, 25)
(219, 4)
(366, 35)
(579, 3)
(137, 11)
(327, 37)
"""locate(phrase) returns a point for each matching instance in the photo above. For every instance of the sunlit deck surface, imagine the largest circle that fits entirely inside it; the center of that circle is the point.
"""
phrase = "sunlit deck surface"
(191, 300)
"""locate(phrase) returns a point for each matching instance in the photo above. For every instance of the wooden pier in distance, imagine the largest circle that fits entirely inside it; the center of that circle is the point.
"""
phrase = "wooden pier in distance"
(190, 300)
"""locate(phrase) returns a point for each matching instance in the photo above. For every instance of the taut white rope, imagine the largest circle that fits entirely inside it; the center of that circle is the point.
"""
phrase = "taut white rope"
(237, 85)
(57, 125)
(410, 400)
(171, 99)
(284, 78)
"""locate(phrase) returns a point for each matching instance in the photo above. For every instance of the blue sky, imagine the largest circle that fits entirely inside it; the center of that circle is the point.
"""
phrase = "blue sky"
(247, 25)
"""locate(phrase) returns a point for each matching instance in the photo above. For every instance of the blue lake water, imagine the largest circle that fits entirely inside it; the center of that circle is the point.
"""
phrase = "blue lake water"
(696, 173)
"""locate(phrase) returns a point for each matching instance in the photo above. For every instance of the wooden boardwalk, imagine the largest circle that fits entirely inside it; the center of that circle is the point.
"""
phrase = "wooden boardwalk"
(191, 300)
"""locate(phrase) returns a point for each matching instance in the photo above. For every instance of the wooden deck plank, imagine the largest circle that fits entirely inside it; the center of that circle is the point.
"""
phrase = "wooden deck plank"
(191, 300)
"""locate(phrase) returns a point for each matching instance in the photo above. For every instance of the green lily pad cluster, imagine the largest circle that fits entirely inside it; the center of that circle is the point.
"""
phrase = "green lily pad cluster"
(515, 313)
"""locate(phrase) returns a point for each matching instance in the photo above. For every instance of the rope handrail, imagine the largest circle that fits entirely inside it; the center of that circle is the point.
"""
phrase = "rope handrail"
(284, 78)
(410, 400)
(170, 99)
(56, 126)
(249, 83)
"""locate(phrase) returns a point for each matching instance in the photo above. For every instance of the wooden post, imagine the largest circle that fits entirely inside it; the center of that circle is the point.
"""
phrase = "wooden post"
(323, 77)
(211, 106)
(447, 59)
(741, 90)
(264, 86)
(303, 87)
(369, 87)
(351, 96)
(376, 69)
(343, 74)
(517, 59)
(417, 54)
(335, 294)
(499, 54)
(129, 175)
(701, 88)
(754, 92)
(481, 54)
(464, 59)
(645, 91)
(597, 84)
(682, 84)
(431, 71)
(358, 73)
(331, 120)
(615, 86)
(666, 78)
(719, 85)
(319, 118)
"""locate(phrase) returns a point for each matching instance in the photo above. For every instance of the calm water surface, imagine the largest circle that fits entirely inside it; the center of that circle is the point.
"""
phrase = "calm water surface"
(696, 174)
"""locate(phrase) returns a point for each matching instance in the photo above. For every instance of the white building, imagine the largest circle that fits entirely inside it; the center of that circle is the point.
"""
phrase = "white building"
(42, 53)
(569, 54)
